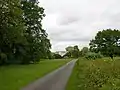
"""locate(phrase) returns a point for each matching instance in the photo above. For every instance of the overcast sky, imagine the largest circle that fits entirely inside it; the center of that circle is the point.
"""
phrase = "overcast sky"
(76, 22)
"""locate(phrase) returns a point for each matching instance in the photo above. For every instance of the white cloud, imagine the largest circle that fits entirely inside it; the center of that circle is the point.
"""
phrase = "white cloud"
(71, 22)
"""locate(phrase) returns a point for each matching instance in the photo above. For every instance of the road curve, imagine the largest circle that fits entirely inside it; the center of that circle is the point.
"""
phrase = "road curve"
(56, 80)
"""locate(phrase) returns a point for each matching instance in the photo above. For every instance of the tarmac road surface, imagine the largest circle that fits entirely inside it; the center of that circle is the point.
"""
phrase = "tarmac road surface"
(55, 80)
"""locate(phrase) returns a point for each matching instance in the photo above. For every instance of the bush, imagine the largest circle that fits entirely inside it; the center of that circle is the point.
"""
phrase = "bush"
(91, 55)
(98, 75)
(57, 56)
(3, 58)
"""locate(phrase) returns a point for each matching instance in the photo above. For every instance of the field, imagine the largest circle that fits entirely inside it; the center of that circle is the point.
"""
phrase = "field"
(14, 77)
(101, 74)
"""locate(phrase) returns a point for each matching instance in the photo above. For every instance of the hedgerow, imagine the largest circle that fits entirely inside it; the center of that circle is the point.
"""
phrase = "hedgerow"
(91, 55)
(98, 75)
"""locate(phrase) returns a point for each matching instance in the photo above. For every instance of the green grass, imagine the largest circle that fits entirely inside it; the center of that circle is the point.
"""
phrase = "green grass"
(101, 74)
(14, 77)
(72, 83)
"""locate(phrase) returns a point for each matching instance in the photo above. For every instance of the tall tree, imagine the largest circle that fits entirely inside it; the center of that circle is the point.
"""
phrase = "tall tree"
(75, 52)
(84, 50)
(38, 43)
(72, 51)
(107, 42)
(69, 50)
(11, 29)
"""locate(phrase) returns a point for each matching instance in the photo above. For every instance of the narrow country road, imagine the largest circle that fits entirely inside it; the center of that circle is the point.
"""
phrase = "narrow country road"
(56, 80)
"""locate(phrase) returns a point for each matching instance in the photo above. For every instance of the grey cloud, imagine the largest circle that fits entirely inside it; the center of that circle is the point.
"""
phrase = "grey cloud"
(73, 39)
(68, 35)
(67, 19)
(116, 18)
(77, 21)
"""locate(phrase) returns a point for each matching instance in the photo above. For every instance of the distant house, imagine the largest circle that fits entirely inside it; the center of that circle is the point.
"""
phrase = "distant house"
(30, 0)
(62, 53)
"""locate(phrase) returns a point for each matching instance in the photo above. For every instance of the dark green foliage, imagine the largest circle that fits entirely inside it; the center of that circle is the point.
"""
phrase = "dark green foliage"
(11, 30)
(72, 52)
(107, 42)
(67, 55)
(22, 39)
(91, 55)
(57, 56)
(84, 51)
(75, 52)
(38, 44)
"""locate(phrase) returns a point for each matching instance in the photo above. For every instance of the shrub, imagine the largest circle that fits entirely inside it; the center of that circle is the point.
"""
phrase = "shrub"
(98, 75)
(3, 58)
(57, 56)
(91, 55)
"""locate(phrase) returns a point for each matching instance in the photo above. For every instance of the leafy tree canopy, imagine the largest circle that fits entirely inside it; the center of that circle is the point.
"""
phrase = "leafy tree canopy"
(72, 51)
(22, 38)
(106, 42)
(84, 50)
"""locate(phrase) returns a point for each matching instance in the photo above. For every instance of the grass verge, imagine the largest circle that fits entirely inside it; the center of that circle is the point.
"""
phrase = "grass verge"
(101, 74)
(72, 82)
(14, 77)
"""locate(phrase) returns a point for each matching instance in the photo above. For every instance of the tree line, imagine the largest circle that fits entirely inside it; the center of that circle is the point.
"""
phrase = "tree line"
(22, 38)
(106, 43)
